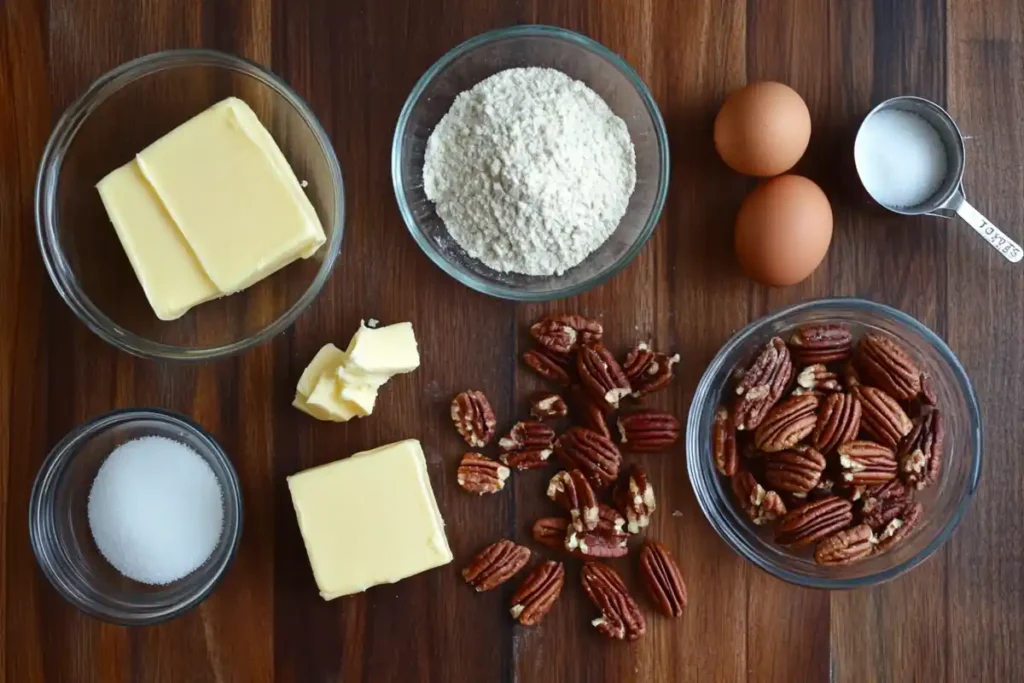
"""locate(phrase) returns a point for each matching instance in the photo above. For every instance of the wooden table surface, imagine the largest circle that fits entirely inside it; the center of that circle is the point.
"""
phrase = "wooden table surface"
(959, 617)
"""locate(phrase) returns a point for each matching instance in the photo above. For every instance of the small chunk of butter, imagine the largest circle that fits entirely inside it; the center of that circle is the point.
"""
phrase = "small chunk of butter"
(326, 398)
(387, 350)
(351, 549)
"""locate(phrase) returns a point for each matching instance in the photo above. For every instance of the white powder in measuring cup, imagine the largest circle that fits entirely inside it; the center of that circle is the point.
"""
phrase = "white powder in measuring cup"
(530, 171)
(900, 157)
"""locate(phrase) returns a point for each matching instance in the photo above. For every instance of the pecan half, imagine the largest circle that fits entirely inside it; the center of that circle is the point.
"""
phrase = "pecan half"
(590, 413)
(647, 370)
(817, 379)
(546, 406)
(899, 527)
(797, 470)
(884, 503)
(814, 521)
(595, 455)
(762, 384)
(846, 547)
(537, 593)
(723, 443)
(634, 497)
(609, 521)
(549, 365)
(819, 344)
(474, 418)
(496, 564)
(601, 542)
(551, 531)
(865, 463)
(565, 333)
(787, 423)
(761, 506)
(479, 474)
(851, 378)
(928, 396)
(620, 616)
(573, 492)
(663, 580)
(648, 431)
(885, 364)
(920, 452)
(602, 375)
(838, 422)
(881, 416)
(528, 445)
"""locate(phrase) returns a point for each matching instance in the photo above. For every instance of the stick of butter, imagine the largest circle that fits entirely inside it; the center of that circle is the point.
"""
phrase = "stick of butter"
(350, 550)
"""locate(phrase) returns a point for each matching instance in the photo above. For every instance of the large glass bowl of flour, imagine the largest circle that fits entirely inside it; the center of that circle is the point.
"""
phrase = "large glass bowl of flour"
(581, 59)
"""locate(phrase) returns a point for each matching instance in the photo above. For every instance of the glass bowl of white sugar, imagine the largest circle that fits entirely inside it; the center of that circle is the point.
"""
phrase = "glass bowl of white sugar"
(530, 163)
(135, 516)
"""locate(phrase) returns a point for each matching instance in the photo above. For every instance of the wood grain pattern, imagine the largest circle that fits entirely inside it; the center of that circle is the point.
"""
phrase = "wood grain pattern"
(960, 617)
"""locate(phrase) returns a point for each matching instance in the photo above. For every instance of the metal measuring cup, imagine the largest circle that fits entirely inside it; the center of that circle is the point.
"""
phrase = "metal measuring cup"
(949, 199)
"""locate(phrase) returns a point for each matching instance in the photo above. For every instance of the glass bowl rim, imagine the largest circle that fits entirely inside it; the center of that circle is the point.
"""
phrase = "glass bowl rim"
(59, 457)
(541, 31)
(695, 443)
(64, 133)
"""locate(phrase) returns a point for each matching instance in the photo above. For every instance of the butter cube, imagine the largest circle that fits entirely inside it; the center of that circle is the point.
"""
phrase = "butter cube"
(326, 360)
(362, 395)
(384, 350)
(326, 399)
(168, 270)
(369, 519)
(232, 194)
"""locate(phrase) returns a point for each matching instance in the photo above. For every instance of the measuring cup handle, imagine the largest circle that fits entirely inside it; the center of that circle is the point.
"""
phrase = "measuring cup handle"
(993, 235)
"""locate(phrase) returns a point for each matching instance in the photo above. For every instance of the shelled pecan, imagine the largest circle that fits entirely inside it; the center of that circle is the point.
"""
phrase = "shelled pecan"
(634, 498)
(920, 452)
(761, 506)
(814, 521)
(723, 443)
(592, 453)
(528, 445)
(662, 578)
(796, 470)
(550, 366)
(547, 405)
(882, 417)
(883, 363)
(762, 384)
(846, 547)
(601, 374)
(496, 564)
(620, 616)
(571, 491)
(819, 344)
(474, 418)
(537, 594)
(564, 334)
(647, 370)
(866, 463)
(788, 423)
(479, 474)
(648, 431)
(838, 421)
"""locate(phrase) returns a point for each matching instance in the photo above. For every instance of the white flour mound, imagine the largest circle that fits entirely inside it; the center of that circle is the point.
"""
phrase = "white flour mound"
(530, 171)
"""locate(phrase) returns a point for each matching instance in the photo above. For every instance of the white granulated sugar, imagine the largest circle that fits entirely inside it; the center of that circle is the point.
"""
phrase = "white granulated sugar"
(155, 510)
(530, 171)
(900, 158)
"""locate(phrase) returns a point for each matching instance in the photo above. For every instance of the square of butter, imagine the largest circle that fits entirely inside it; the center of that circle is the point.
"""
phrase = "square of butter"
(233, 195)
(369, 519)
(383, 350)
(326, 360)
(326, 399)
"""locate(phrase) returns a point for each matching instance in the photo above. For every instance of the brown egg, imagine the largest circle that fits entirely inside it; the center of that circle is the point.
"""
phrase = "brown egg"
(762, 129)
(783, 230)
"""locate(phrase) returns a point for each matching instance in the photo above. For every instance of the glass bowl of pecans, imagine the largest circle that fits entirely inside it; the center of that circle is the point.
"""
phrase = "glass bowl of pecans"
(835, 444)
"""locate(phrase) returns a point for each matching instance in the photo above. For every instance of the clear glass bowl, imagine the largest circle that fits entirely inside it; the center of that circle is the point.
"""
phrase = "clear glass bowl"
(945, 502)
(118, 116)
(582, 59)
(59, 523)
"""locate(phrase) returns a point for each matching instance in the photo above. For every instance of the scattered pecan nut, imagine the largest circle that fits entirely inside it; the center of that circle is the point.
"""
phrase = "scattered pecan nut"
(846, 547)
(663, 580)
(838, 421)
(589, 412)
(537, 593)
(884, 503)
(788, 423)
(571, 490)
(609, 521)
(795, 470)
(761, 506)
(919, 453)
(496, 564)
(882, 417)
(601, 542)
(602, 375)
(817, 379)
(592, 453)
(648, 431)
(564, 334)
(866, 463)
(814, 521)
(549, 365)
(723, 442)
(620, 616)
(885, 364)
(634, 497)
(820, 344)
(528, 445)
(479, 474)
(899, 527)
(547, 405)
(647, 370)
(762, 384)
(551, 531)
(474, 418)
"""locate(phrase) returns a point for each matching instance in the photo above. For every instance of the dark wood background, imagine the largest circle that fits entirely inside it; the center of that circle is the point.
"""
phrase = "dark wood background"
(959, 617)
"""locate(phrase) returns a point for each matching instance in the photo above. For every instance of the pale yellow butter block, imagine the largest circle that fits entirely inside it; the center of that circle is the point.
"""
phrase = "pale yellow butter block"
(362, 395)
(326, 398)
(171, 276)
(326, 360)
(313, 411)
(383, 350)
(232, 195)
(370, 519)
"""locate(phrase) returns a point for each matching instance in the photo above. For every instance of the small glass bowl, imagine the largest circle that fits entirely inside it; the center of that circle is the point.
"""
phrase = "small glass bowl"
(945, 502)
(59, 523)
(580, 58)
(119, 115)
